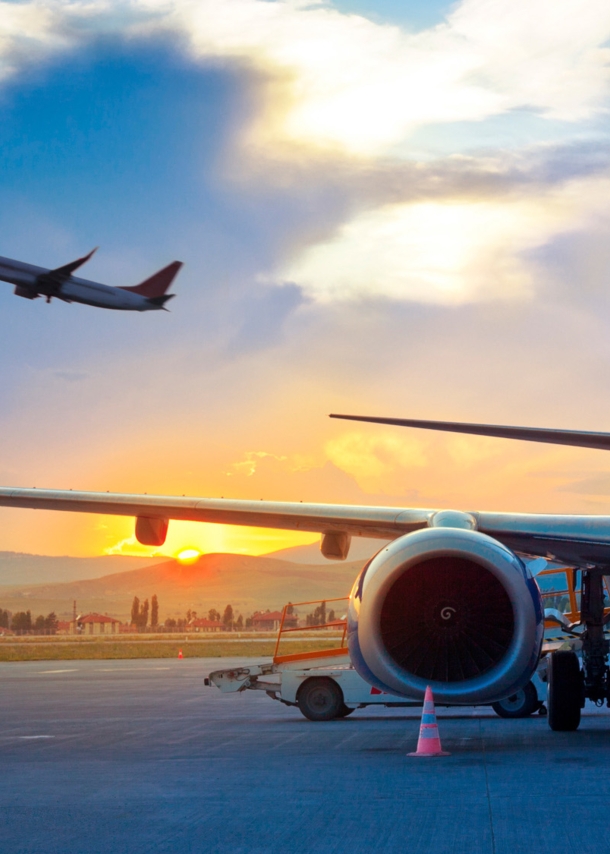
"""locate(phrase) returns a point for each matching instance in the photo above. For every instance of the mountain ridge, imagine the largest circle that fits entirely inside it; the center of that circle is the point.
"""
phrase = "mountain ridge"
(247, 582)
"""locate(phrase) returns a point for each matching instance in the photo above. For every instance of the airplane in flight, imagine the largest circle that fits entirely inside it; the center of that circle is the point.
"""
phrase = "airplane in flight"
(32, 282)
(450, 602)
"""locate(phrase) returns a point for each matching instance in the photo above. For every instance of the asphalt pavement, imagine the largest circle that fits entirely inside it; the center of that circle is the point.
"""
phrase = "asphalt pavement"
(140, 756)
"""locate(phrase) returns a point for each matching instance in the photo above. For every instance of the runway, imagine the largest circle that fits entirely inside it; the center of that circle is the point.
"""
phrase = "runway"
(126, 756)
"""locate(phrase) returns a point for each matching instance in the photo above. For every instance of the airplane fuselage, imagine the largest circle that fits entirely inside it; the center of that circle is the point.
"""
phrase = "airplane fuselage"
(32, 281)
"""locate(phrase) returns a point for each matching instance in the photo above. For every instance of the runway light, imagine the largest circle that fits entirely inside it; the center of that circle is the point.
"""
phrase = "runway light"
(188, 556)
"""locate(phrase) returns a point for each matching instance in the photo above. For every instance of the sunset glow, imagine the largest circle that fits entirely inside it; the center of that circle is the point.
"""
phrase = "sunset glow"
(378, 213)
(188, 556)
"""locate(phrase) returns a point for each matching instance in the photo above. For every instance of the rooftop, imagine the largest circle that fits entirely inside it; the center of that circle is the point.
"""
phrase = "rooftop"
(96, 618)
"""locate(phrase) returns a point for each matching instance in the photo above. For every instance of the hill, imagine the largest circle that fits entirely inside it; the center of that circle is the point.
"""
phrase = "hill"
(249, 583)
(17, 568)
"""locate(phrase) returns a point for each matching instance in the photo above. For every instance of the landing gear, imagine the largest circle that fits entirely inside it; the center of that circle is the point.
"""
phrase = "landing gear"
(565, 698)
(595, 646)
(522, 704)
(569, 686)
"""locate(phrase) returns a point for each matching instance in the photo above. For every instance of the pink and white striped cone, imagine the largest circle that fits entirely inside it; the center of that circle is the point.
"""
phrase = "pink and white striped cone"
(429, 743)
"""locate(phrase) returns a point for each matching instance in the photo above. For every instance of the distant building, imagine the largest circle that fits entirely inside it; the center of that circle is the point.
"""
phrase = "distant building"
(64, 627)
(270, 621)
(203, 625)
(4, 632)
(97, 624)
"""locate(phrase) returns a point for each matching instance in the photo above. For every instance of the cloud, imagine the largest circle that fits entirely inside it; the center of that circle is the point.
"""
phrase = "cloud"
(130, 546)
(264, 314)
(449, 251)
(29, 32)
(338, 98)
(373, 460)
(251, 460)
(598, 484)
(343, 82)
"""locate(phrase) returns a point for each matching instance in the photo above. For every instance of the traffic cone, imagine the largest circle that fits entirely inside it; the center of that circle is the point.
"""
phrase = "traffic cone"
(180, 654)
(429, 743)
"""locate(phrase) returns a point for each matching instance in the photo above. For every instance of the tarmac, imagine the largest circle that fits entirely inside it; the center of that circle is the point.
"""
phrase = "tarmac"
(140, 756)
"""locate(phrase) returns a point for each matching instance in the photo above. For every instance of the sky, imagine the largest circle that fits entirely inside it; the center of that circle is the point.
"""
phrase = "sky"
(386, 208)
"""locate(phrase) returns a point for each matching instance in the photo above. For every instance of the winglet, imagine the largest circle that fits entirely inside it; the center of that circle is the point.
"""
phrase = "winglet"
(158, 283)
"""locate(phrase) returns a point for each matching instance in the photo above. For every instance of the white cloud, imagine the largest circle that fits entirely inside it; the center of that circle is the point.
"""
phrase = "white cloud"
(445, 251)
(28, 33)
(349, 83)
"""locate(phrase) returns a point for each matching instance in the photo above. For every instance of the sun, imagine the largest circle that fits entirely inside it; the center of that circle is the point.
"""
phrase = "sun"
(188, 556)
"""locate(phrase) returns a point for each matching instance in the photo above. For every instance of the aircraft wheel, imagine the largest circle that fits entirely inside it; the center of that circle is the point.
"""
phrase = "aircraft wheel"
(521, 704)
(565, 691)
(320, 699)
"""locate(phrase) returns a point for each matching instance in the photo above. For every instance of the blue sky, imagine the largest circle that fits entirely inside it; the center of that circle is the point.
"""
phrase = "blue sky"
(412, 14)
(389, 208)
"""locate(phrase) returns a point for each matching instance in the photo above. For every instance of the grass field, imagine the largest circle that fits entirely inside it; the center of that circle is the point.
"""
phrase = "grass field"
(54, 649)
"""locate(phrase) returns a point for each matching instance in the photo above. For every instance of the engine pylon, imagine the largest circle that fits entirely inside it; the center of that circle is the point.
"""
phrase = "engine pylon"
(429, 742)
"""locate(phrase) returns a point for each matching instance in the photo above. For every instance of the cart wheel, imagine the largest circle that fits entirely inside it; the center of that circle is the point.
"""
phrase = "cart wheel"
(565, 698)
(521, 704)
(345, 711)
(320, 699)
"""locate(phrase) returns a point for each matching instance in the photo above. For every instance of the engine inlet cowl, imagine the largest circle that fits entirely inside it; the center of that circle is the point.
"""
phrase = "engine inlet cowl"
(450, 608)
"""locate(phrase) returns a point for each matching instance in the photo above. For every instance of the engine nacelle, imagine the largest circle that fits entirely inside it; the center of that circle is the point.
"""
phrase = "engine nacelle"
(449, 608)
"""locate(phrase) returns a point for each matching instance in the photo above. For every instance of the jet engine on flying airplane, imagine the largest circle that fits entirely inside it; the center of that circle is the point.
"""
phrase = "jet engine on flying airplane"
(448, 607)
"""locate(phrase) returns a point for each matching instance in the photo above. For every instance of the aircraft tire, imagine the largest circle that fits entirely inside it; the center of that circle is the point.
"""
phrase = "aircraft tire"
(521, 704)
(565, 691)
(320, 699)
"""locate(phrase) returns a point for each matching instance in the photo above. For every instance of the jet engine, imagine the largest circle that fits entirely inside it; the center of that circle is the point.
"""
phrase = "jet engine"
(448, 607)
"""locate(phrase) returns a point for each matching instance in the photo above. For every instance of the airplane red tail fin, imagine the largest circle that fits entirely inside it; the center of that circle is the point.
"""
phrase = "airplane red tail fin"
(158, 283)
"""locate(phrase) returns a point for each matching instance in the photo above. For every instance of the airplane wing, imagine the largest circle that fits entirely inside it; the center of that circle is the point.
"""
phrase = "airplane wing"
(67, 270)
(382, 522)
(570, 539)
(576, 438)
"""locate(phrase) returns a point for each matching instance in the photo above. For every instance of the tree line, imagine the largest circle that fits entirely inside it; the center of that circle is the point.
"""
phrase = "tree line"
(231, 621)
(140, 613)
(21, 621)
(228, 618)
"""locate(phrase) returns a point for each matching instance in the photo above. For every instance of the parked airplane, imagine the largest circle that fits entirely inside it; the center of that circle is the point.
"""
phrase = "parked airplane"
(32, 282)
(449, 603)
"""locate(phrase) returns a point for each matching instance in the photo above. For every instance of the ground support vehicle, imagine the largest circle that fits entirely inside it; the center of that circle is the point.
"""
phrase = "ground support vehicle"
(334, 689)
(325, 686)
